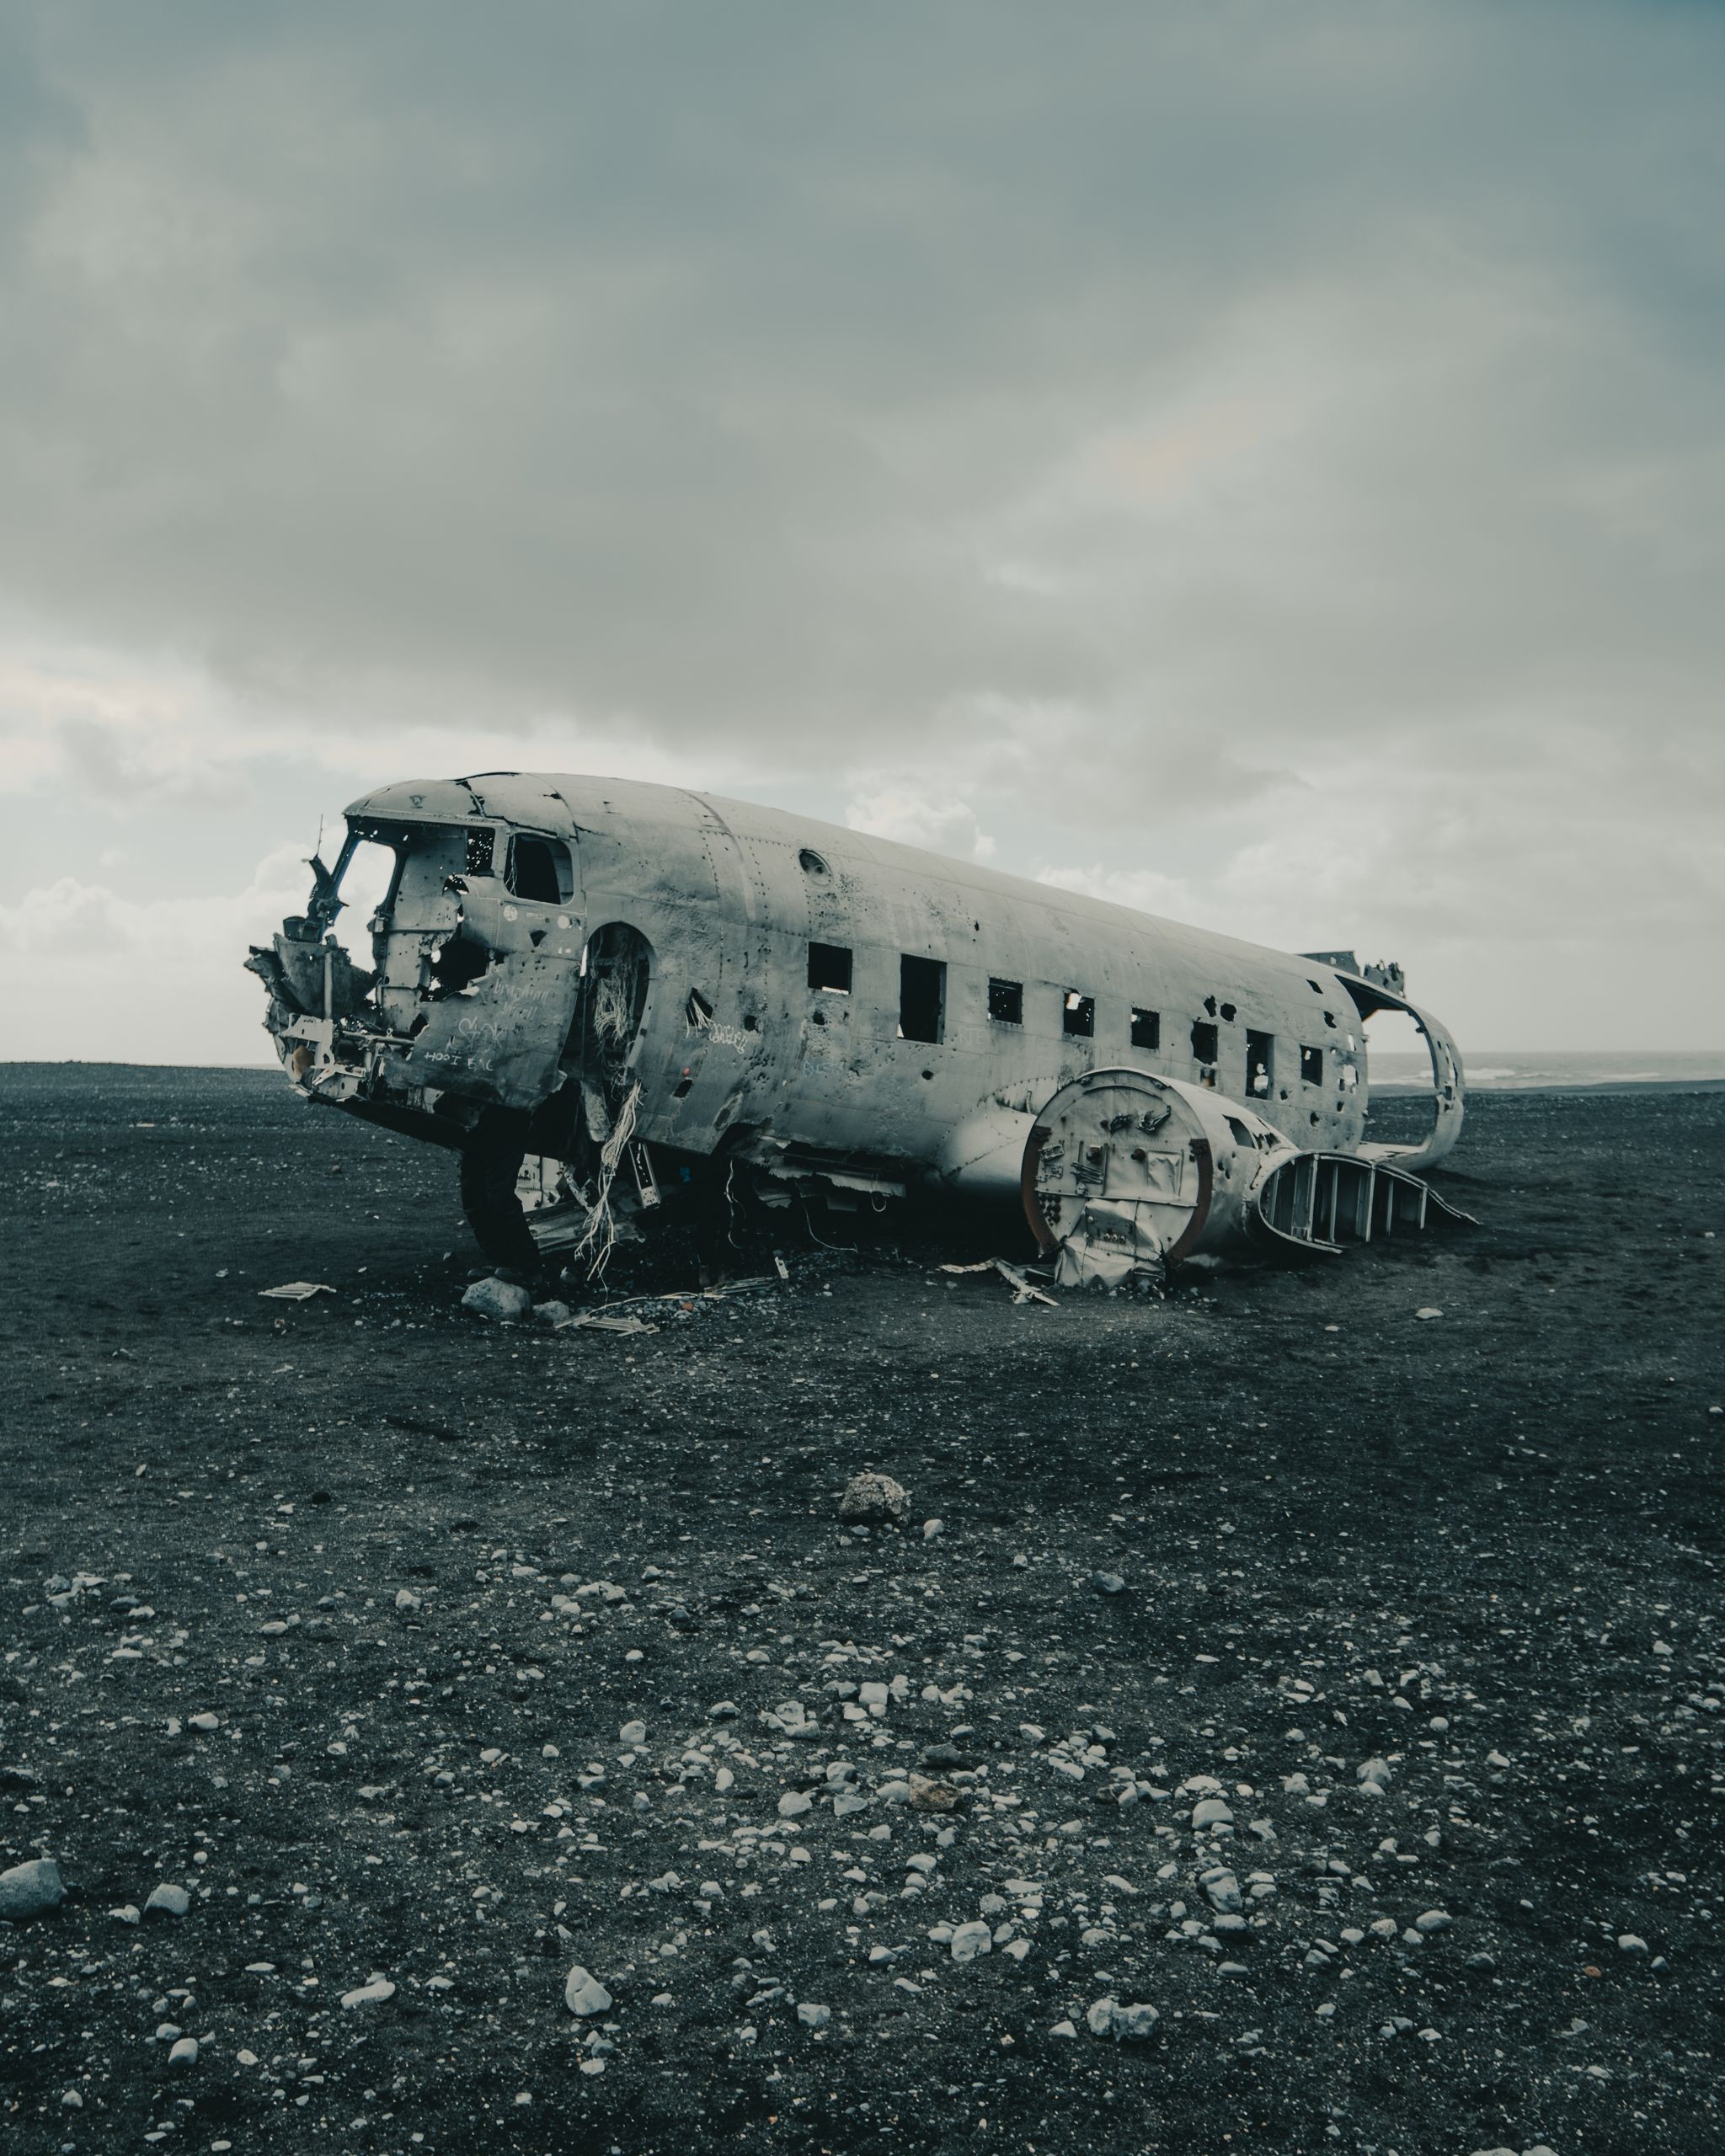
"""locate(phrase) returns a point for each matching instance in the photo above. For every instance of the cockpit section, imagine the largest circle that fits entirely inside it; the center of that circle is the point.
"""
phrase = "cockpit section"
(474, 948)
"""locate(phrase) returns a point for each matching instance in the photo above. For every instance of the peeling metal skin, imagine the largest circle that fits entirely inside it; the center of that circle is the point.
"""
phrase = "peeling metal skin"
(570, 973)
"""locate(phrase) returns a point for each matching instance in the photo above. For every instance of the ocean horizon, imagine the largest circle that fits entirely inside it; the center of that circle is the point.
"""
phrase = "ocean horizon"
(1509, 1069)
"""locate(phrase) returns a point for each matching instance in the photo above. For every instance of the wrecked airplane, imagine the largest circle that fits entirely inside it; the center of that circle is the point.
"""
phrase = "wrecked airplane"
(604, 995)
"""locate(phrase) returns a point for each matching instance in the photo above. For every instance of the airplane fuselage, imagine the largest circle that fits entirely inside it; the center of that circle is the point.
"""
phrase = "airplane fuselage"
(758, 979)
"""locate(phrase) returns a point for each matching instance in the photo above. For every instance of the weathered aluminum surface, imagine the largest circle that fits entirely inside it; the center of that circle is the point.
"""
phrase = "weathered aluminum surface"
(477, 999)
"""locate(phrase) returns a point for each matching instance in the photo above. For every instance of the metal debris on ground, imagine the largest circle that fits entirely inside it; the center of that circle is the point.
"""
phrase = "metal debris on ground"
(1024, 1291)
(296, 1291)
(610, 1318)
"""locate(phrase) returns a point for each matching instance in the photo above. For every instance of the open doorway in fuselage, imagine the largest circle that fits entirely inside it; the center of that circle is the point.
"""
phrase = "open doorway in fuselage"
(616, 980)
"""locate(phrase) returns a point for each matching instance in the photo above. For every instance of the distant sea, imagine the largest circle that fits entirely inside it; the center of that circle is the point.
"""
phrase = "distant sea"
(1507, 1069)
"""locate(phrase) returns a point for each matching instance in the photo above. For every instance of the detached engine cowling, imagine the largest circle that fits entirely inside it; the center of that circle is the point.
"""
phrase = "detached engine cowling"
(1128, 1173)
(1125, 1173)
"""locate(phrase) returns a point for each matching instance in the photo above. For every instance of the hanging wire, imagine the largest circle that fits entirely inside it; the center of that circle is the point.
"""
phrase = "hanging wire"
(599, 1238)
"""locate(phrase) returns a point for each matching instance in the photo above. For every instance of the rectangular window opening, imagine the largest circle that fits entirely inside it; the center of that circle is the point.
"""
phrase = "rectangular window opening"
(538, 870)
(830, 967)
(1311, 1065)
(922, 998)
(1204, 1040)
(1146, 1029)
(1260, 1065)
(1078, 1015)
(480, 844)
(1006, 1002)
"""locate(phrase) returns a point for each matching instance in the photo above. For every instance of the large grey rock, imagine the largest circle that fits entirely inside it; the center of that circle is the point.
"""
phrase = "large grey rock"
(498, 1299)
(168, 1900)
(1211, 1812)
(1107, 2017)
(29, 1889)
(970, 1939)
(583, 1994)
(1223, 1889)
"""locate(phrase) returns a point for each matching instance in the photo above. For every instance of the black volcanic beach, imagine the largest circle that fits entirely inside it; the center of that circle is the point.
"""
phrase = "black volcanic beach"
(1328, 1659)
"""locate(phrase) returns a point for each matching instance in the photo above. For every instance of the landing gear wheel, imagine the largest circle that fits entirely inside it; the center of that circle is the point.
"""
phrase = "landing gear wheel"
(491, 1161)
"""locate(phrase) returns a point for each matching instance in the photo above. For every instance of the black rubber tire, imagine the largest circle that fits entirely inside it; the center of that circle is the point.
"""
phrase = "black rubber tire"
(490, 1162)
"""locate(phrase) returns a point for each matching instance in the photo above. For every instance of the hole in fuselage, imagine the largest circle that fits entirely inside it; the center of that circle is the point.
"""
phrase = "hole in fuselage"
(458, 962)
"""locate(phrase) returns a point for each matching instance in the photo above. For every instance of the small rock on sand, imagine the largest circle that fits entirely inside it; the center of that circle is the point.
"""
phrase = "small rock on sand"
(499, 1300)
(875, 1501)
(1108, 2018)
(168, 1900)
(373, 1993)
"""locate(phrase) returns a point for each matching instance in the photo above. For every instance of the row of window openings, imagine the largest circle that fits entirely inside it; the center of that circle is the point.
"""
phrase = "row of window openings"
(922, 985)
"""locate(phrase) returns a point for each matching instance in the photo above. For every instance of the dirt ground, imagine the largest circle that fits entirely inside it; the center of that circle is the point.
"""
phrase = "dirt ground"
(416, 1576)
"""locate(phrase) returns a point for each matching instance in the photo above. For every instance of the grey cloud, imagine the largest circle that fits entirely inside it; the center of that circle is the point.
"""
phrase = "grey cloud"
(704, 367)
(1279, 452)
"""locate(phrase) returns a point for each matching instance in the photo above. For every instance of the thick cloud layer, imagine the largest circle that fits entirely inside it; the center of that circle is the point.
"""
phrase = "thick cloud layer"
(1266, 463)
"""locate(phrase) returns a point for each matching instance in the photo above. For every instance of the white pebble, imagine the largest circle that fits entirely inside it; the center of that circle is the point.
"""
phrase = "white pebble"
(373, 1992)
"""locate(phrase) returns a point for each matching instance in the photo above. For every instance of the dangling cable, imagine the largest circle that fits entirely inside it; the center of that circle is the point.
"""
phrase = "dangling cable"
(600, 1237)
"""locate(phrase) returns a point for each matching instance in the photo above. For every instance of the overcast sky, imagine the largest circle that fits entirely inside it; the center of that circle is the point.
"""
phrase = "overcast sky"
(1265, 463)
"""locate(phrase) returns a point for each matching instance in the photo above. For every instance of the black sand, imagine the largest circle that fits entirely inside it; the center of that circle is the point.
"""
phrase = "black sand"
(1344, 1532)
